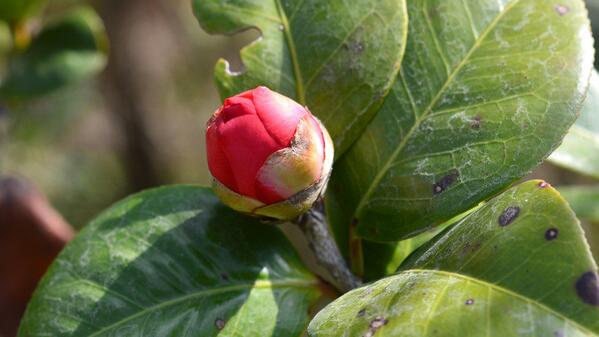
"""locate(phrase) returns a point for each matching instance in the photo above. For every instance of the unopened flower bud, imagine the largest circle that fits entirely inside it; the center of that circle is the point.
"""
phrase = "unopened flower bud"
(268, 155)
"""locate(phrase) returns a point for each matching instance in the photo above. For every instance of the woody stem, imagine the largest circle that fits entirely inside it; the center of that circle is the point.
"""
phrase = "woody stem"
(314, 225)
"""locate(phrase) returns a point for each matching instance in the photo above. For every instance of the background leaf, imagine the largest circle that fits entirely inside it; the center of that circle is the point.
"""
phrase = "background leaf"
(579, 151)
(517, 266)
(584, 201)
(12, 11)
(53, 61)
(338, 58)
(486, 91)
(173, 261)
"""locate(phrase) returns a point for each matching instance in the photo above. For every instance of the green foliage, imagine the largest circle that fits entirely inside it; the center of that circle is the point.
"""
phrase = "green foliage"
(338, 58)
(13, 11)
(519, 265)
(584, 201)
(580, 150)
(65, 51)
(172, 261)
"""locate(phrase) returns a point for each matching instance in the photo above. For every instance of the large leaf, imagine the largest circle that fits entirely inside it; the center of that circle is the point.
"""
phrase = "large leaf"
(66, 51)
(337, 57)
(486, 91)
(580, 150)
(518, 266)
(174, 262)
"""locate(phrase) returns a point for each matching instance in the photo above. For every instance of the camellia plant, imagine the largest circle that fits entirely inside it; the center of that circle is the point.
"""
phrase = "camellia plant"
(434, 109)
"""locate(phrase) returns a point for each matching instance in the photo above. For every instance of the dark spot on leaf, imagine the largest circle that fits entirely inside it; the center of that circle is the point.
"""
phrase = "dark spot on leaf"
(375, 325)
(220, 323)
(361, 312)
(587, 288)
(475, 124)
(561, 9)
(509, 215)
(543, 184)
(224, 276)
(551, 234)
(469, 301)
(470, 248)
(445, 182)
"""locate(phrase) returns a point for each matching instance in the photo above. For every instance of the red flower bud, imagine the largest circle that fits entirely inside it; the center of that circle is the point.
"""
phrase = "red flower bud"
(268, 155)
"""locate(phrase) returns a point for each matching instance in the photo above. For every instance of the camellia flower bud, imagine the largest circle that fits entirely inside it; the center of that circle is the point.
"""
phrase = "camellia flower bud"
(268, 155)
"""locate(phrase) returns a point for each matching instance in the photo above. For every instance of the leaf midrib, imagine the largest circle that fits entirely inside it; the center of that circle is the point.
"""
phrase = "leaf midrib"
(501, 289)
(299, 82)
(389, 163)
(261, 284)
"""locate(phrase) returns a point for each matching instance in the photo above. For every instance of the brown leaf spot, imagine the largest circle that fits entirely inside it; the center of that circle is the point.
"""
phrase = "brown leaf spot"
(475, 124)
(551, 234)
(561, 9)
(587, 288)
(361, 313)
(543, 184)
(445, 182)
(469, 301)
(375, 325)
(220, 323)
(509, 215)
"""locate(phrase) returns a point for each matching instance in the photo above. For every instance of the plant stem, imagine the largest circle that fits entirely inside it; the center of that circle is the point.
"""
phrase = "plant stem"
(315, 228)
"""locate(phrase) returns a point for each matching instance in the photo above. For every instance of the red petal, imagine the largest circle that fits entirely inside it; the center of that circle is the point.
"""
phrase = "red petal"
(247, 145)
(217, 160)
(279, 114)
(237, 106)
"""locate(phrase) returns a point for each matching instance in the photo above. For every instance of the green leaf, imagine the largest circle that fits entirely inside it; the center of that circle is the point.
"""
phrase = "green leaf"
(12, 11)
(579, 151)
(337, 57)
(584, 201)
(486, 91)
(517, 266)
(174, 261)
(69, 50)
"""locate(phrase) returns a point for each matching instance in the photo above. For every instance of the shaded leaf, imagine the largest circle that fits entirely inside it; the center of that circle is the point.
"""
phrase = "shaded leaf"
(486, 91)
(172, 261)
(339, 58)
(580, 149)
(53, 61)
(584, 201)
(517, 266)
(15, 10)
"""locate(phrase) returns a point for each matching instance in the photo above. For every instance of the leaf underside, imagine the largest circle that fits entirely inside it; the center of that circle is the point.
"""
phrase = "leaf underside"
(517, 266)
(174, 262)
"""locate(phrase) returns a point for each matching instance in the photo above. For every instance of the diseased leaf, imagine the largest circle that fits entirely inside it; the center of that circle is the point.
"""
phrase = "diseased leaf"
(66, 51)
(580, 149)
(337, 57)
(517, 266)
(173, 261)
(486, 91)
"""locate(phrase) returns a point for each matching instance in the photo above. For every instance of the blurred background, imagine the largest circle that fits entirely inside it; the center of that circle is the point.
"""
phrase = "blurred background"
(70, 153)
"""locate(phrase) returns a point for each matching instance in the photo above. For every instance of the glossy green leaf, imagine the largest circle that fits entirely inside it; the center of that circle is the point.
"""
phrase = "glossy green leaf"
(486, 91)
(66, 51)
(580, 149)
(174, 261)
(517, 266)
(383, 259)
(15, 10)
(337, 57)
(584, 200)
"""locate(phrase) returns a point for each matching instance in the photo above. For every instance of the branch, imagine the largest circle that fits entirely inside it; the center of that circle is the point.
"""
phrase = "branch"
(314, 225)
